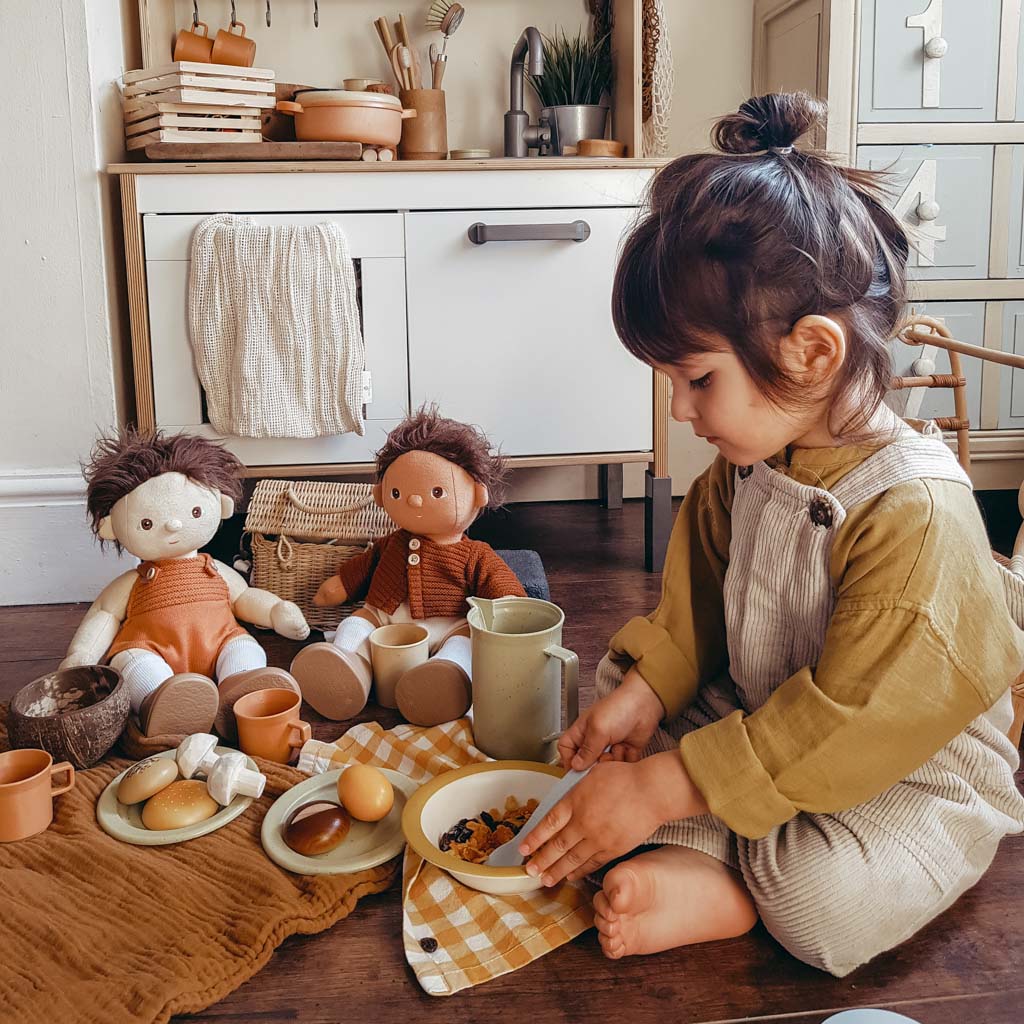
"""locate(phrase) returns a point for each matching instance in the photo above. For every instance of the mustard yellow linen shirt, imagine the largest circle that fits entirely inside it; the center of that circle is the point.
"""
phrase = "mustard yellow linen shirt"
(920, 643)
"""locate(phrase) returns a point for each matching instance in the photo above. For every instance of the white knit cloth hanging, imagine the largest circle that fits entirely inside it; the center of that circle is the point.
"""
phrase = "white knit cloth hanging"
(655, 128)
(274, 318)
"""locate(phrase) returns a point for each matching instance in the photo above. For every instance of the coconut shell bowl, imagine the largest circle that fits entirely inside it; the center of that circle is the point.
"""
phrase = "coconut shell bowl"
(73, 714)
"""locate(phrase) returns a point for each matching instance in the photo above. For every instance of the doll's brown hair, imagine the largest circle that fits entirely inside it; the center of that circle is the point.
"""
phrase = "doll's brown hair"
(742, 243)
(426, 430)
(119, 463)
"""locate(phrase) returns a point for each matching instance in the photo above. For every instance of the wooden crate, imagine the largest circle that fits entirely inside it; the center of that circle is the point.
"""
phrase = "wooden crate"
(188, 102)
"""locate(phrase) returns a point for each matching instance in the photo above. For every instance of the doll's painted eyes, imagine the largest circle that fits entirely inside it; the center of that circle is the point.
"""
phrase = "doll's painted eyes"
(395, 493)
(196, 512)
(438, 492)
(147, 524)
(701, 382)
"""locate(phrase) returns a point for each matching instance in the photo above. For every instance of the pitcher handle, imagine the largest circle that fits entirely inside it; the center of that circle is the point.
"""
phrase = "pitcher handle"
(570, 680)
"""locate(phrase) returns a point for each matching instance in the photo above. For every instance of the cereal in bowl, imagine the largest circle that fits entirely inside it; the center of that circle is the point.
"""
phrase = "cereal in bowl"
(475, 839)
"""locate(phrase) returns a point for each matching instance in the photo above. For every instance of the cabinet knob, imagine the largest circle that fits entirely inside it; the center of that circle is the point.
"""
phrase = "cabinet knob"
(928, 210)
(923, 367)
(936, 47)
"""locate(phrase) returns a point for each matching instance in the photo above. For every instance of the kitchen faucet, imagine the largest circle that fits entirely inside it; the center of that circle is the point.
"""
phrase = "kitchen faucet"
(520, 135)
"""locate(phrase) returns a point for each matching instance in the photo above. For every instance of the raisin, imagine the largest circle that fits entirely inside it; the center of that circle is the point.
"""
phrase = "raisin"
(428, 945)
(487, 820)
(511, 825)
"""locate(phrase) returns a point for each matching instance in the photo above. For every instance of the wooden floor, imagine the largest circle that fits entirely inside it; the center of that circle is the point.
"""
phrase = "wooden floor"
(967, 966)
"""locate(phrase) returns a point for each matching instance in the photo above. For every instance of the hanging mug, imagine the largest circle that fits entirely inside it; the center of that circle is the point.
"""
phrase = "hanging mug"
(193, 45)
(229, 48)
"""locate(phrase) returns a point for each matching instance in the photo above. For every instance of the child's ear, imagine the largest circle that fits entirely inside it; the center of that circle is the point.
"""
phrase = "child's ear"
(815, 347)
(107, 529)
(378, 495)
(481, 496)
(227, 506)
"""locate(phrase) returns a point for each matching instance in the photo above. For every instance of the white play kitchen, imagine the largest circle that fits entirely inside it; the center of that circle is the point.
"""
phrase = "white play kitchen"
(482, 284)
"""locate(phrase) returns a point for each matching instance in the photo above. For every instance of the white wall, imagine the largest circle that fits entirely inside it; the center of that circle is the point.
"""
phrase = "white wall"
(63, 339)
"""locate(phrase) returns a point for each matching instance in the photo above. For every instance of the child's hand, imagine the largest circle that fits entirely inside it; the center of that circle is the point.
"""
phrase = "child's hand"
(610, 812)
(332, 591)
(625, 720)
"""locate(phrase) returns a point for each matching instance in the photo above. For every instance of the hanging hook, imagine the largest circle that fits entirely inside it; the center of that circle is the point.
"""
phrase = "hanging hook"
(234, 21)
(195, 13)
(316, 13)
(268, 13)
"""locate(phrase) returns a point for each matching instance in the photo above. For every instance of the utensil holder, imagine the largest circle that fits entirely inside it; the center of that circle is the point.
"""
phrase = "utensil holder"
(425, 136)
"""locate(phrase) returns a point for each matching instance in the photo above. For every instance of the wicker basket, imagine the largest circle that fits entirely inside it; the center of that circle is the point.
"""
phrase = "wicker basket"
(300, 532)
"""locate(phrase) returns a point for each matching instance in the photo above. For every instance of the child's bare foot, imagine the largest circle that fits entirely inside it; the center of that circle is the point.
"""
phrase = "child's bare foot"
(670, 897)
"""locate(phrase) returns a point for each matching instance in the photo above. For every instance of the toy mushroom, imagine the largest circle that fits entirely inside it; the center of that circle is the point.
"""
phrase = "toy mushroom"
(230, 778)
(197, 754)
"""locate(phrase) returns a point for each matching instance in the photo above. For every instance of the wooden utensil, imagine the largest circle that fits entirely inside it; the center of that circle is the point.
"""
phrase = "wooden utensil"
(396, 66)
(417, 71)
(384, 32)
(405, 59)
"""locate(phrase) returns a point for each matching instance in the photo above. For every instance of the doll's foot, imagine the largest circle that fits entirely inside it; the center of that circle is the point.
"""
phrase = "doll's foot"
(670, 897)
(181, 705)
(334, 683)
(434, 692)
(237, 685)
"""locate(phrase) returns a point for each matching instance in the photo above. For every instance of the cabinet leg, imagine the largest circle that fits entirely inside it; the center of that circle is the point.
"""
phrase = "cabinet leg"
(657, 519)
(609, 477)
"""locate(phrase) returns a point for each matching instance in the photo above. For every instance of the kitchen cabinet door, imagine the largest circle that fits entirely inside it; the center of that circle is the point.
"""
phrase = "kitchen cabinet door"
(517, 336)
(1015, 204)
(929, 60)
(943, 196)
(1011, 395)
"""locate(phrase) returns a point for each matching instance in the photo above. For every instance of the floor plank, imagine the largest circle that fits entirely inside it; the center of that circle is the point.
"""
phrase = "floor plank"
(967, 966)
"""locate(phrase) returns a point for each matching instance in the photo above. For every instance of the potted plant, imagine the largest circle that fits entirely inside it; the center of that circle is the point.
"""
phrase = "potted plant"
(577, 77)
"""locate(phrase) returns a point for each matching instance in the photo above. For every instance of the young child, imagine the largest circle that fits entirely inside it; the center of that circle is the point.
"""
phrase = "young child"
(832, 654)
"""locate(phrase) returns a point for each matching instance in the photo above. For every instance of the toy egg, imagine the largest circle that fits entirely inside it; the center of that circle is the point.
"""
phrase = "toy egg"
(181, 804)
(365, 792)
(317, 828)
(146, 779)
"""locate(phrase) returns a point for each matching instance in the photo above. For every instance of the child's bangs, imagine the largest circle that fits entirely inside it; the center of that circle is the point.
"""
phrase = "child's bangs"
(665, 303)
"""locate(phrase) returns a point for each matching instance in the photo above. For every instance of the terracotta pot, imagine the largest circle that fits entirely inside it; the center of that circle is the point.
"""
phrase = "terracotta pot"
(335, 115)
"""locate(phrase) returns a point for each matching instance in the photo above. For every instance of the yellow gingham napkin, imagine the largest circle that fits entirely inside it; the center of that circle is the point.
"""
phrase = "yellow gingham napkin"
(454, 936)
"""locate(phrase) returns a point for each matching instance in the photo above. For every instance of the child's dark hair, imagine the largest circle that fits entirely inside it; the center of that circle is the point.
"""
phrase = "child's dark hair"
(744, 242)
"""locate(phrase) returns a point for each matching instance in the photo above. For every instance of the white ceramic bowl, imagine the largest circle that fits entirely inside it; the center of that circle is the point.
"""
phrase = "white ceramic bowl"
(464, 793)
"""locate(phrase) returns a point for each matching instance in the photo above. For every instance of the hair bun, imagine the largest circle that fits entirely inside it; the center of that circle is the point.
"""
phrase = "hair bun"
(768, 122)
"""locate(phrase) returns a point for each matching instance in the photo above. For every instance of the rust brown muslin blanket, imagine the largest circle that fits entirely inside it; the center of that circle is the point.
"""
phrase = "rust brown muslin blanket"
(96, 930)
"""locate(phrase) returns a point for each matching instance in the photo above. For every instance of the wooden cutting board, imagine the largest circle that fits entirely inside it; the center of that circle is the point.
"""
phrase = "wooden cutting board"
(254, 151)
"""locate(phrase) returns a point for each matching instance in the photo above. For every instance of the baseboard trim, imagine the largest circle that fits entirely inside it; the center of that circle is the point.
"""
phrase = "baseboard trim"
(48, 554)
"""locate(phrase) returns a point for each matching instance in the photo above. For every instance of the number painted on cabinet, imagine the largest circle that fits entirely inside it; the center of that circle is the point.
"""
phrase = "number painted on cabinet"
(934, 48)
(917, 200)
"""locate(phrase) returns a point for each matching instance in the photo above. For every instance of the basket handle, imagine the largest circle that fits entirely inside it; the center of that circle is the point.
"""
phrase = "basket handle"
(333, 511)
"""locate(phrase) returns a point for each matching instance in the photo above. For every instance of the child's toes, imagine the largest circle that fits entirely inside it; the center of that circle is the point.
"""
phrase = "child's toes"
(603, 907)
(621, 889)
(612, 946)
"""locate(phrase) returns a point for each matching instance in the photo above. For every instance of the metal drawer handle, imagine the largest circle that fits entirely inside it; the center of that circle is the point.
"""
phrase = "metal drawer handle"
(577, 231)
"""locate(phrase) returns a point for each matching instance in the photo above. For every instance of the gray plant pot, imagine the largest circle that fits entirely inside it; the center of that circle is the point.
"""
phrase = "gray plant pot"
(569, 124)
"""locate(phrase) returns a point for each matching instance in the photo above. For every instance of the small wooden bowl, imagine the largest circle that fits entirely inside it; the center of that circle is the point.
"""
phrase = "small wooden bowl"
(74, 714)
(600, 147)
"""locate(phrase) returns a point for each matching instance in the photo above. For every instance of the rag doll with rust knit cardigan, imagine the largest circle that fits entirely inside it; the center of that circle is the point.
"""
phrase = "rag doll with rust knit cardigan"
(170, 625)
(434, 476)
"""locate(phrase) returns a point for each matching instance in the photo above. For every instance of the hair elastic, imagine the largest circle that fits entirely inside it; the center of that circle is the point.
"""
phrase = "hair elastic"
(781, 150)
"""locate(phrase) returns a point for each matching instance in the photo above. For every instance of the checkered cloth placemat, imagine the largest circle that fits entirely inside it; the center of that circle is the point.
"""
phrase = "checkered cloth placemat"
(454, 936)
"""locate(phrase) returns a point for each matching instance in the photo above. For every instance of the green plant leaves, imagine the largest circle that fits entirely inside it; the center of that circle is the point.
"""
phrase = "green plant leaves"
(576, 71)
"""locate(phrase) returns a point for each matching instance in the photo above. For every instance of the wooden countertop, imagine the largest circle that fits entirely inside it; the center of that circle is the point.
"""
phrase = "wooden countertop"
(549, 163)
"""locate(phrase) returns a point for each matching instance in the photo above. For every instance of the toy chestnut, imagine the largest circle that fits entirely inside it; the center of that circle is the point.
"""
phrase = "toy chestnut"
(434, 476)
(170, 626)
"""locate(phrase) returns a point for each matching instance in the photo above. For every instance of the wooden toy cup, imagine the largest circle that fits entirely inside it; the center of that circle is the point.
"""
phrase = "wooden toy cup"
(425, 136)
(27, 792)
(231, 49)
(191, 44)
(269, 726)
(394, 650)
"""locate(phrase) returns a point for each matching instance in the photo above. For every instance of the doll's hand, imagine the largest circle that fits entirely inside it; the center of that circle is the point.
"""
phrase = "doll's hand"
(625, 720)
(610, 812)
(287, 619)
(332, 591)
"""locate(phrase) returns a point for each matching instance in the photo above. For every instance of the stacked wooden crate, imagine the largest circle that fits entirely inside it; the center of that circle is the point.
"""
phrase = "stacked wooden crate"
(193, 102)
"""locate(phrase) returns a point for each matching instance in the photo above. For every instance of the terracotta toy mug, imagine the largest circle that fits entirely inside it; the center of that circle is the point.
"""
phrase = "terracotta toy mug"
(191, 44)
(269, 725)
(229, 48)
(27, 792)
(394, 650)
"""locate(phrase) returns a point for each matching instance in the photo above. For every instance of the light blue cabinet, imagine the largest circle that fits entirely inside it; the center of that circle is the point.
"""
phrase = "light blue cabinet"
(943, 196)
(1011, 394)
(943, 66)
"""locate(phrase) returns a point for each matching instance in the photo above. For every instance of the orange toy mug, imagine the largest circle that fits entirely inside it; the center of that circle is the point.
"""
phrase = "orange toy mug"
(231, 49)
(27, 792)
(269, 725)
(191, 44)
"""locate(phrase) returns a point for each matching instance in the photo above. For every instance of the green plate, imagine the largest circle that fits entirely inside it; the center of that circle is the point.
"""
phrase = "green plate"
(367, 843)
(124, 821)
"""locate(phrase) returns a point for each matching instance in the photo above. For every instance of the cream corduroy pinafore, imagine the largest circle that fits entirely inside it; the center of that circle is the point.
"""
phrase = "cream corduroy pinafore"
(837, 889)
